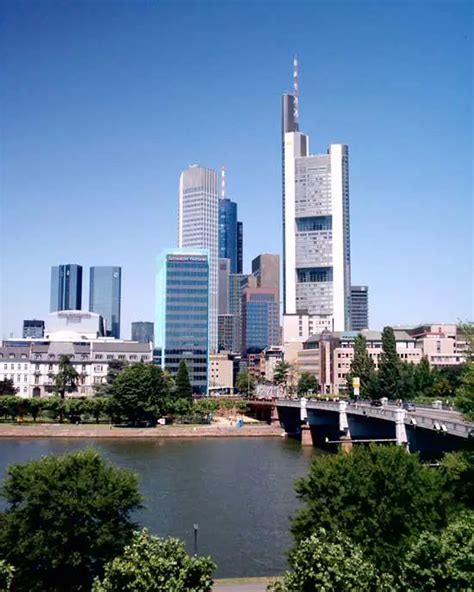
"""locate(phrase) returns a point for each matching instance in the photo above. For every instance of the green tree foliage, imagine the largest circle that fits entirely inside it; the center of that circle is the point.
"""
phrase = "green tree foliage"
(140, 393)
(245, 383)
(183, 387)
(6, 576)
(307, 382)
(457, 470)
(389, 366)
(333, 563)
(35, 407)
(7, 387)
(466, 332)
(66, 517)
(379, 496)
(66, 379)
(362, 366)
(152, 564)
(406, 388)
(280, 374)
(424, 378)
(465, 393)
(442, 561)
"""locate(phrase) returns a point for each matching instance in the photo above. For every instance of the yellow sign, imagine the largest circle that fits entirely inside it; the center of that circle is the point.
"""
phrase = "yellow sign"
(356, 382)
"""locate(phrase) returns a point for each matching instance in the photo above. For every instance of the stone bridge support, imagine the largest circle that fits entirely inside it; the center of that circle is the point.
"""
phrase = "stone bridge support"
(400, 430)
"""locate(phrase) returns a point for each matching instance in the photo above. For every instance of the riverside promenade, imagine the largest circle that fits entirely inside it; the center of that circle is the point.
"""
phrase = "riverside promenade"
(222, 429)
(242, 585)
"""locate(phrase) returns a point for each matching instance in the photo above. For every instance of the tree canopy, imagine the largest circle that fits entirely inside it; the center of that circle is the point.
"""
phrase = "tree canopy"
(363, 367)
(140, 393)
(152, 564)
(245, 383)
(389, 366)
(66, 379)
(7, 387)
(307, 382)
(66, 516)
(378, 496)
(280, 374)
(183, 387)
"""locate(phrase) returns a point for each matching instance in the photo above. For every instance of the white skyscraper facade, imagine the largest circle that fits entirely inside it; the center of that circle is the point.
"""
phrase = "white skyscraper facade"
(198, 227)
(316, 232)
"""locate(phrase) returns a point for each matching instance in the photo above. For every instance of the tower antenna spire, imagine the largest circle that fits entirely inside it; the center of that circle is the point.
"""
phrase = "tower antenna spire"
(223, 181)
(295, 88)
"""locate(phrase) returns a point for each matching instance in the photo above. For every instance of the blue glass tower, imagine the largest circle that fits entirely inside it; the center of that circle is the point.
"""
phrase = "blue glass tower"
(230, 235)
(66, 287)
(182, 313)
(105, 287)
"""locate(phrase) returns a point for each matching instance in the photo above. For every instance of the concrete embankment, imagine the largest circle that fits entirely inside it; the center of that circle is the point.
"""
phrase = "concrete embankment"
(242, 585)
(107, 431)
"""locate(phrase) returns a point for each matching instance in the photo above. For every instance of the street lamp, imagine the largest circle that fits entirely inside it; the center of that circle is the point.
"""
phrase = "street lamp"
(196, 528)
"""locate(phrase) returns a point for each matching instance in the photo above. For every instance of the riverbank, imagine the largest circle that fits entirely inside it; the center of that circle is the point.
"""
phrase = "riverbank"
(242, 585)
(107, 431)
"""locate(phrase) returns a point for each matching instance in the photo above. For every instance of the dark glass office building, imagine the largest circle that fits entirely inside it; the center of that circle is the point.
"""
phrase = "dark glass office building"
(182, 314)
(359, 308)
(104, 296)
(230, 235)
(143, 331)
(33, 328)
(66, 287)
(260, 319)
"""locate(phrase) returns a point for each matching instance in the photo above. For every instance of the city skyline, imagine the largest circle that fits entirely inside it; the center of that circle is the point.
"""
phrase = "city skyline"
(405, 194)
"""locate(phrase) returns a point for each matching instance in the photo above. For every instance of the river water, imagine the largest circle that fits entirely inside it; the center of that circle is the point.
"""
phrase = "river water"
(238, 490)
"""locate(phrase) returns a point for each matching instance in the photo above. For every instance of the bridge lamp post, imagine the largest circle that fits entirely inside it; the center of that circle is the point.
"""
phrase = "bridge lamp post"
(196, 528)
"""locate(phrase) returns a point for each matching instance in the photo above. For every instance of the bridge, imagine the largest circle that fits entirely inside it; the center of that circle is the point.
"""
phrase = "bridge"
(317, 422)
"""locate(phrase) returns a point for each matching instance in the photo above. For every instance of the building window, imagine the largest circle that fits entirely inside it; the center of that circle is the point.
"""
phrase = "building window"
(98, 368)
(110, 357)
(98, 356)
(121, 357)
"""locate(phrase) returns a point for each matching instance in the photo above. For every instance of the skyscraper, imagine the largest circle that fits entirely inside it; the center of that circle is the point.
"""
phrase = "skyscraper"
(182, 313)
(143, 331)
(260, 319)
(237, 283)
(359, 308)
(66, 287)
(316, 235)
(240, 246)
(33, 329)
(105, 287)
(198, 228)
(266, 269)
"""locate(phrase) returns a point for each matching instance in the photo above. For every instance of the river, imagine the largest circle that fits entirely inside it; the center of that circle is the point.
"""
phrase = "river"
(239, 491)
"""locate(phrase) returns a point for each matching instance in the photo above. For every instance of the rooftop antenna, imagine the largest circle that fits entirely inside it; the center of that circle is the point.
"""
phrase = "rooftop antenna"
(223, 181)
(295, 88)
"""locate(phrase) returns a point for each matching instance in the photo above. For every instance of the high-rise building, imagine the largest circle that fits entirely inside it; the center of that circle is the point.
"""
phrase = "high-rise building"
(240, 247)
(316, 236)
(66, 287)
(260, 319)
(198, 228)
(182, 313)
(228, 238)
(143, 331)
(359, 308)
(225, 332)
(237, 283)
(223, 283)
(105, 285)
(33, 329)
(266, 269)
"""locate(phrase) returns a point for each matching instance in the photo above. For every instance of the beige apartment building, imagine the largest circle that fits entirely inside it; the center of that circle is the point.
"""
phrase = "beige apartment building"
(221, 372)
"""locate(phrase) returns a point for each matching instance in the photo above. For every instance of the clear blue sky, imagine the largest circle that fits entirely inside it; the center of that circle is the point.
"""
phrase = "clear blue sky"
(104, 103)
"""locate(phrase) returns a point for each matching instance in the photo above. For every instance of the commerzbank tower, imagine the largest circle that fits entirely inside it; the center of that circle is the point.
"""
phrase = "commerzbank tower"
(316, 231)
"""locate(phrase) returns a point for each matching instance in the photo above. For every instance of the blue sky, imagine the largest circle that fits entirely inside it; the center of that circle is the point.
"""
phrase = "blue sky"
(104, 103)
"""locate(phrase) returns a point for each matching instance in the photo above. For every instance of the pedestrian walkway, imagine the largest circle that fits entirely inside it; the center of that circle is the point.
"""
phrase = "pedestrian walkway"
(242, 585)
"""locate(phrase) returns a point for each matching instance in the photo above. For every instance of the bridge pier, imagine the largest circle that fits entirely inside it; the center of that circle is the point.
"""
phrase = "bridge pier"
(306, 438)
(346, 443)
(274, 418)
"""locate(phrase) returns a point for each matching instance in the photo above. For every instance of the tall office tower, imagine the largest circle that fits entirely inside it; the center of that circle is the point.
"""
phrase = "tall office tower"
(105, 287)
(237, 283)
(316, 237)
(182, 313)
(198, 228)
(266, 269)
(230, 231)
(66, 287)
(223, 285)
(33, 329)
(260, 319)
(240, 247)
(225, 332)
(143, 331)
(359, 308)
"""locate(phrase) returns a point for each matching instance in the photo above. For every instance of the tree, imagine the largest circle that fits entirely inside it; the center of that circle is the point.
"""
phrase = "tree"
(152, 564)
(245, 383)
(34, 407)
(66, 379)
(6, 576)
(280, 374)
(7, 387)
(362, 366)
(307, 382)
(331, 563)
(114, 368)
(423, 378)
(406, 387)
(66, 517)
(457, 470)
(389, 366)
(466, 332)
(465, 393)
(140, 393)
(183, 388)
(379, 496)
(443, 561)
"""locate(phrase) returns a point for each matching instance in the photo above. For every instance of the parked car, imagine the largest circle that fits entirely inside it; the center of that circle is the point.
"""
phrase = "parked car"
(409, 406)
(376, 403)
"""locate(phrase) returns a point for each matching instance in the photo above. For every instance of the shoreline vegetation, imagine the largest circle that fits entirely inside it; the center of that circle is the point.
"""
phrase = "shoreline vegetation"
(48, 430)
